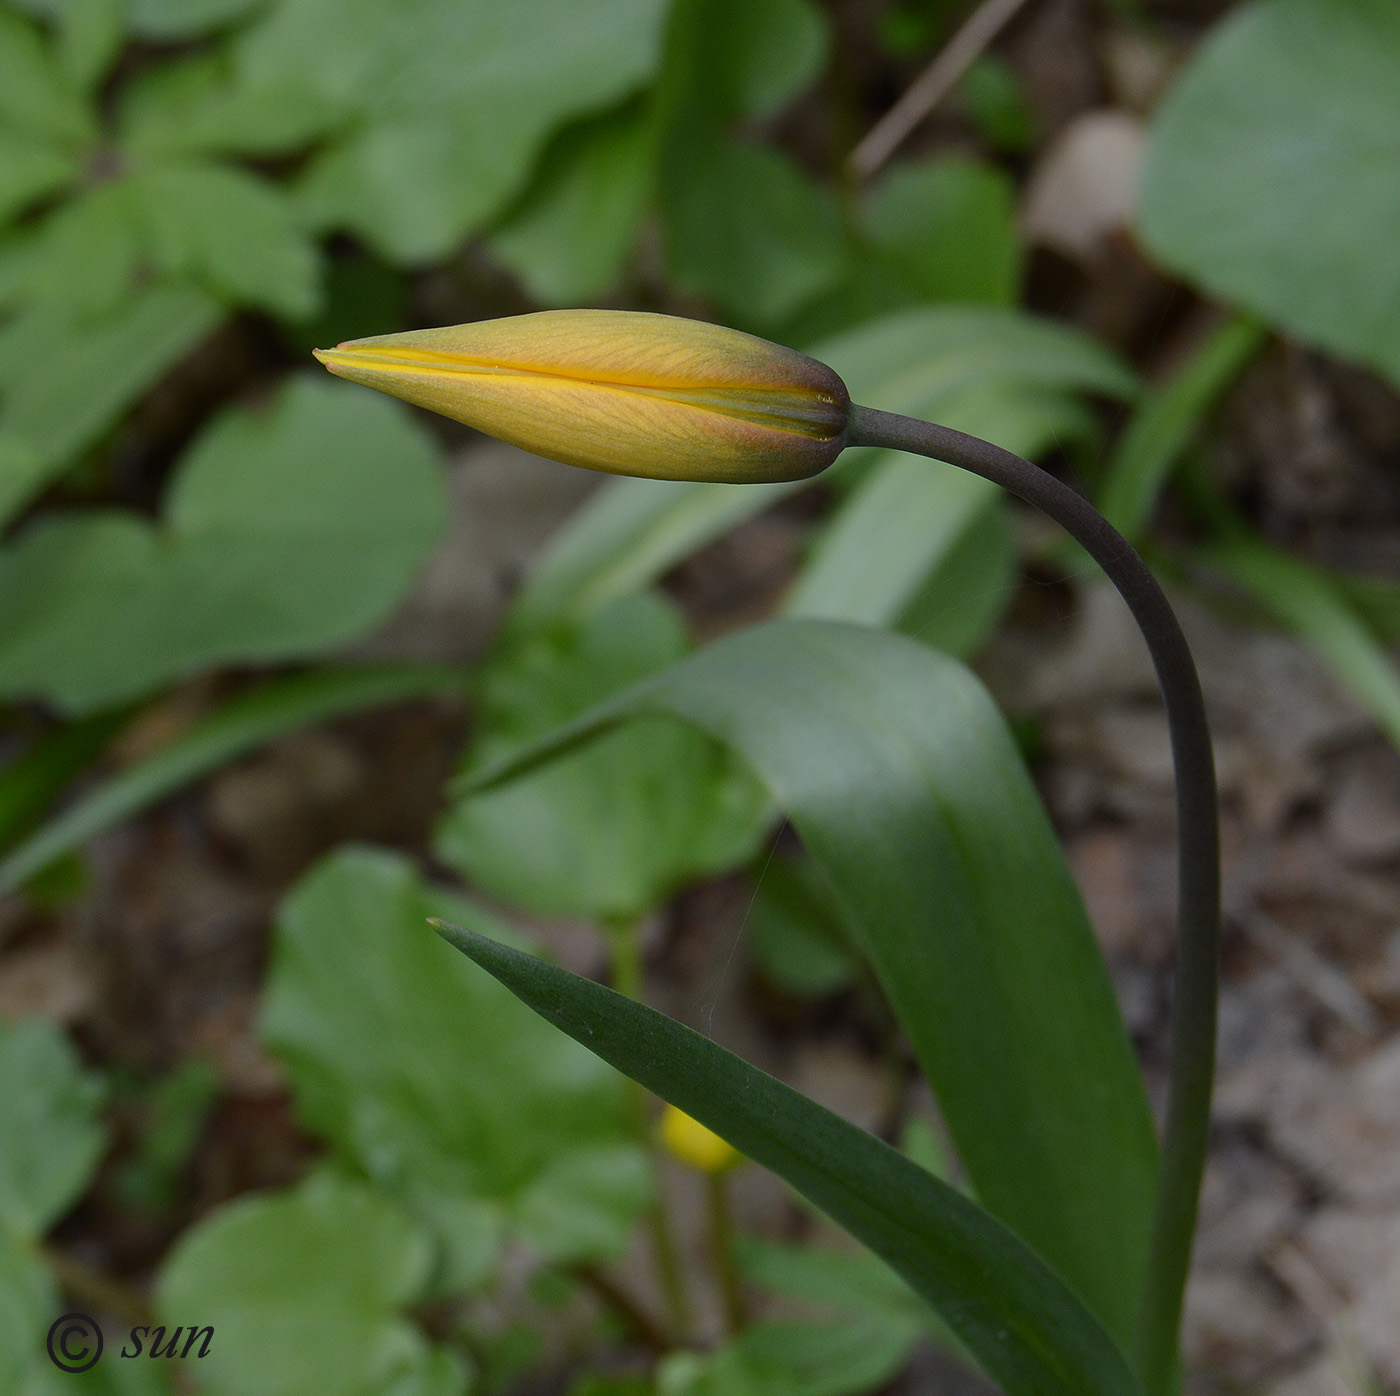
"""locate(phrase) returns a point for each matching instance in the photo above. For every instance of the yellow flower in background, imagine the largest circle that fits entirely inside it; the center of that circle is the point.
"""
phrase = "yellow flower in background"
(690, 1142)
(622, 391)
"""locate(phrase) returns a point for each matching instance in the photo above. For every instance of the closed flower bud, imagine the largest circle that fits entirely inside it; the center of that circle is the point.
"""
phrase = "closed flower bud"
(692, 1143)
(621, 391)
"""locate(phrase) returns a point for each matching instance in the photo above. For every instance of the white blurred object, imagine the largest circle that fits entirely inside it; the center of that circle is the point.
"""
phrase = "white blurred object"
(1085, 186)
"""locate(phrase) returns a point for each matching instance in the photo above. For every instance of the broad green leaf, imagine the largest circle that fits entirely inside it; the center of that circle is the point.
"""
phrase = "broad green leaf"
(22, 471)
(785, 1358)
(732, 61)
(446, 102)
(182, 19)
(244, 723)
(28, 1305)
(949, 226)
(108, 1377)
(64, 380)
(86, 255)
(230, 231)
(35, 96)
(852, 1281)
(989, 372)
(1318, 611)
(571, 237)
(1270, 180)
(941, 230)
(288, 530)
(50, 1140)
(746, 227)
(89, 37)
(198, 106)
(30, 169)
(1165, 423)
(428, 1076)
(610, 832)
(902, 780)
(305, 1291)
(1014, 1314)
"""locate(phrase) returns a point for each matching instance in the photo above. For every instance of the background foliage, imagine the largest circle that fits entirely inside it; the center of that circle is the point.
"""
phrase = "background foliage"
(201, 535)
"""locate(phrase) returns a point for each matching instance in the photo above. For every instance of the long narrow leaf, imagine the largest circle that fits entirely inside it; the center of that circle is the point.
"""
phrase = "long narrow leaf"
(1167, 420)
(1319, 612)
(1015, 1315)
(247, 722)
(899, 774)
(32, 782)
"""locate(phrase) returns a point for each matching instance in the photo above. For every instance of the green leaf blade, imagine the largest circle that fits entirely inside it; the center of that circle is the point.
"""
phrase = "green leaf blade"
(1007, 1306)
(905, 786)
(1269, 177)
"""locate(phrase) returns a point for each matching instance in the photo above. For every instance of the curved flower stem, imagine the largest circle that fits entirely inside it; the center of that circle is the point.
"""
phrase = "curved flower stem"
(1198, 840)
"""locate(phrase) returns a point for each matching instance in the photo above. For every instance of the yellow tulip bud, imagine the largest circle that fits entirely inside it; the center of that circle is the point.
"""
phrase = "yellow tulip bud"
(621, 391)
(690, 1142)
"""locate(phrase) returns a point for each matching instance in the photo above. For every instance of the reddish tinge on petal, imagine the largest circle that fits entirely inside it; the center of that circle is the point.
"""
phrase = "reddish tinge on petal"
(621, 391)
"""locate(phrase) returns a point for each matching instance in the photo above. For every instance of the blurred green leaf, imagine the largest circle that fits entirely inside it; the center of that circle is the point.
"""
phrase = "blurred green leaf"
(1166, 422)
(949, 225)
(905, 786)
(851, 1281)
(89, 38)
(1020, 1320)
(627, 533)
(231, 231)
(743, 224)
(786, 1358)
(36, 98)
(246, 722)
(1311, 605)
(50, 1139)
(305, 1290)
(432, 1079)
(872, 560)
(31, 169)
(28, 1305)
(444, 103)
(610, 832)
(967, 589)
(940, 230)
(33, 781)
(746, 227)
(200, 106)
(991, 94)
(64, 379)
(174, 1109)
(573, 234)
(170, 20)
(287, 531)
(1270, 172)
(796, 935)
(86, 255)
